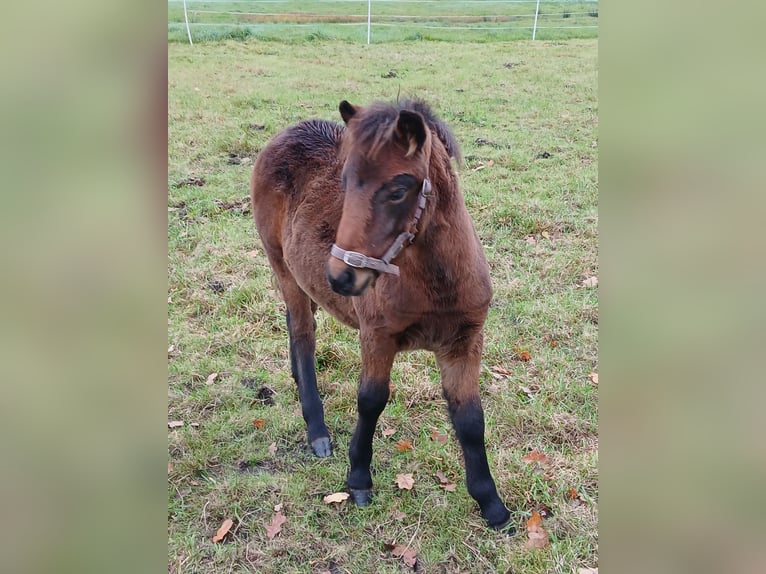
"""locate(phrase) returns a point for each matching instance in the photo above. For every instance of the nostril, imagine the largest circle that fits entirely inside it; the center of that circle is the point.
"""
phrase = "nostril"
(348, 276)
(343, 284)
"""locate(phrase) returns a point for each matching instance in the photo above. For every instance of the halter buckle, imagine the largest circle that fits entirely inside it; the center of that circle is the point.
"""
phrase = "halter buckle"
(355, 259)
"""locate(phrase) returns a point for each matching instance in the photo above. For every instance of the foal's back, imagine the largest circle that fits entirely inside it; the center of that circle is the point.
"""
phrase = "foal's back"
(297, 203)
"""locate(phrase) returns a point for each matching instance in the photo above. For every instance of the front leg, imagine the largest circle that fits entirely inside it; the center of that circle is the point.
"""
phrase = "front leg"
(460, 381)
(377, 358)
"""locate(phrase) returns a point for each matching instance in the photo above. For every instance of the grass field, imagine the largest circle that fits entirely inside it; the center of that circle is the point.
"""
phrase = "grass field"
(526, 116)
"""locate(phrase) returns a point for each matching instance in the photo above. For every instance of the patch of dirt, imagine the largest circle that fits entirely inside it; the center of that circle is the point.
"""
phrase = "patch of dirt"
(266, 465)
(241, 207)
(198, 181)
(216, 286)
(263, 393)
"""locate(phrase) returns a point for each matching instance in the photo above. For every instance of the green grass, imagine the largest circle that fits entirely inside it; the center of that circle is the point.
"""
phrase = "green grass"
(526, 116)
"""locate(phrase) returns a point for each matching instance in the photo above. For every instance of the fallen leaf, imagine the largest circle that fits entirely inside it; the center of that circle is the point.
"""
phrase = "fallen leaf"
(499, 372)
(522, 354)
(408, 556)
(546, 235)
(171, 348)
(211, 377)
(573, 494)
(175, 424)
(335, 497)
(445, 482)
(553, 343)
(405, 481)
(590, 282)
(170, 299)
(491, 162)
(252, 254)
(275, 527)
(399, 515)
(403, 445)
(223, 530)
(438, 437)
(278, 507)
(535, 456)
(530, 240)
(387, 432)
(537, 537)
(273, 448)
(258, 423)
(593, 378)
(170, 467)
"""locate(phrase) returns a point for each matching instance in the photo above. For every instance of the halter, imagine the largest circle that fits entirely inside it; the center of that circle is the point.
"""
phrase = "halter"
(384, 265)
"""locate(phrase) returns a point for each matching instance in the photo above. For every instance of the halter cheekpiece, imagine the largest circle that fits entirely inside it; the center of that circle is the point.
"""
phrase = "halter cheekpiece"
(384, 265)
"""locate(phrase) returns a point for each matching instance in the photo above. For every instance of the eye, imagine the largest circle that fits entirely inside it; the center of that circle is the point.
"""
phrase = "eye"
(398, 194)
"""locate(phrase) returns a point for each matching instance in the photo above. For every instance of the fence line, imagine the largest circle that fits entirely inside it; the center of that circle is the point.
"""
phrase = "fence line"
(310, 14)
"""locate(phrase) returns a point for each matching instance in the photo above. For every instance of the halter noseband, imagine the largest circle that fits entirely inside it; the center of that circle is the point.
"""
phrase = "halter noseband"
(384, 265)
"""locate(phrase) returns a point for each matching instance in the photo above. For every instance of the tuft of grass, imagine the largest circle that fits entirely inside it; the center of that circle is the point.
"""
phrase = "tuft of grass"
(529, 137)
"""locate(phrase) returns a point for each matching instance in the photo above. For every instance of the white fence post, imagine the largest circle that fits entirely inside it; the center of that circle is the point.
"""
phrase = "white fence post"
(534, 29)
(188, 30)
(369, 13)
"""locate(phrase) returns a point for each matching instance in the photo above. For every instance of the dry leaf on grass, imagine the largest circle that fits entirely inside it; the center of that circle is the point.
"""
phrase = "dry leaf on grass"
(335, 497)
(499, 372)
(403, 445)
(522, 355)
(175, 424)
(445, 482)
(405, 481)
(387, 432)
(438, 437)
(211, 378)
(408, 556)
(537, 537)
(278, 507)
(275, 526)
(535, 456)
(258, 423)
(273, 448)
(590, 282)
(593, 378)
(223, 530)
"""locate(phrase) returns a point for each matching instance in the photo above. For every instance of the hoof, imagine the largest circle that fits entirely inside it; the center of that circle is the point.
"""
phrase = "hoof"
(361, 497)
(321, 447)
(504, 527)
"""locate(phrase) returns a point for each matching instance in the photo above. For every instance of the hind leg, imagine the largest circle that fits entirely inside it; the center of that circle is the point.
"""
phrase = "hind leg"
(301, 330)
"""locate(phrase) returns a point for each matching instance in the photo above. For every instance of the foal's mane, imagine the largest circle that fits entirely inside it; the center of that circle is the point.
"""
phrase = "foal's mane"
(374, 126)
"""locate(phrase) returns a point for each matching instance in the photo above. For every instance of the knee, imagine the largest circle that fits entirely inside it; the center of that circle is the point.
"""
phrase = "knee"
(372, 398)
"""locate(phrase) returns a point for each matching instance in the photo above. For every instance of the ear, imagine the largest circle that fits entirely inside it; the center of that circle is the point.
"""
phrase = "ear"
(347, 111)
(411, 131)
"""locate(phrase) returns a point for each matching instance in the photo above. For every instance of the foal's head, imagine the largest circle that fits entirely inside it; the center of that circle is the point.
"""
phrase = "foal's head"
(386, 153)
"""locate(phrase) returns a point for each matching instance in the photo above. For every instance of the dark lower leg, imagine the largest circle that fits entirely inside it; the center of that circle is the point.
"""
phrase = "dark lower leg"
(468, 421)
(371, 400)
(302, 357)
